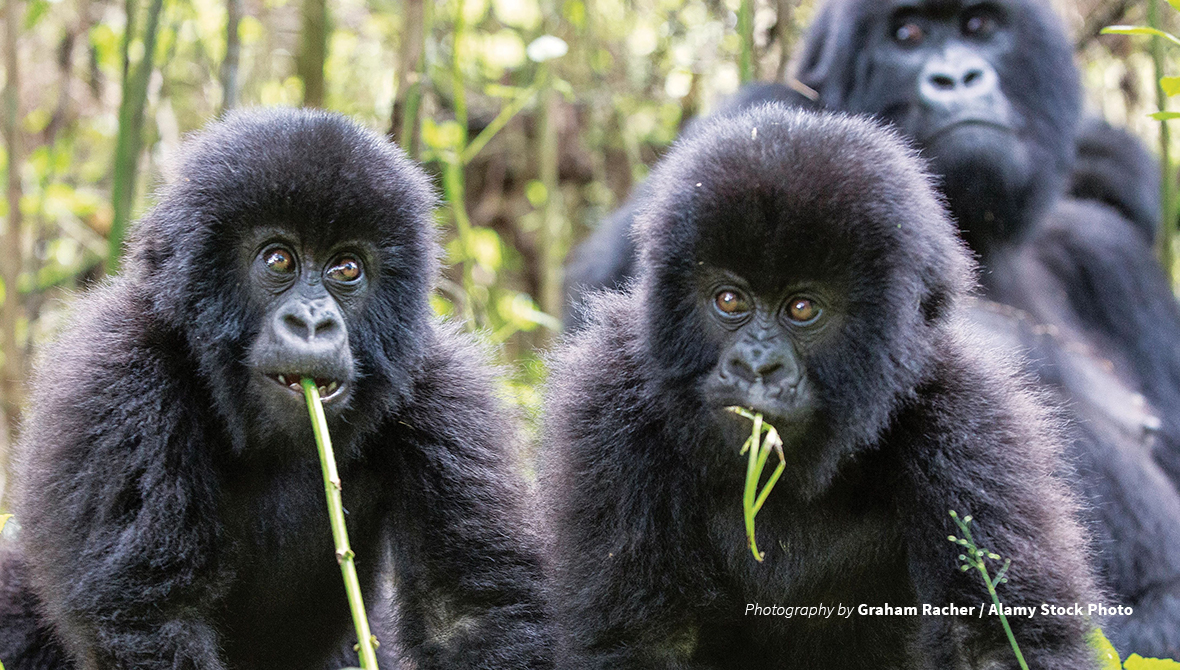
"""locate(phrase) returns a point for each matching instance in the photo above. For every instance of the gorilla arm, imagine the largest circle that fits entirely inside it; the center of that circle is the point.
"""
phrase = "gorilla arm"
(999, 469)
(628, 536)
(468, 580)
(125, 546)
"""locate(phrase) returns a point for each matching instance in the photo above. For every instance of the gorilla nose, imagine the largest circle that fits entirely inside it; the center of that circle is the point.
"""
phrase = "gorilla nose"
(310, 325)
(956, 78)
(765, 363)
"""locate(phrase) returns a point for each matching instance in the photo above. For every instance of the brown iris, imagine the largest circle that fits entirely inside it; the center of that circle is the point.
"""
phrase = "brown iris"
(802, 310)
(909, 34)
(731, 302)
(280, 260)
(346, 269)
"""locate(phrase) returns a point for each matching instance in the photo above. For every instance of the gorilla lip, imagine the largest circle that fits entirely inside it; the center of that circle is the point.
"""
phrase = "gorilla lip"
(329, 389)
(966, 121)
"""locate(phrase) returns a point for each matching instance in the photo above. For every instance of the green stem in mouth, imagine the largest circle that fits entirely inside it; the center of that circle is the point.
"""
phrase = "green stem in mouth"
(344, 556)
(759, 448)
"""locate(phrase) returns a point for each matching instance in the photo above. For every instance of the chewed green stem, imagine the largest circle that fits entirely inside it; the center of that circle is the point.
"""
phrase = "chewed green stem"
(344, 555)
(759, 449)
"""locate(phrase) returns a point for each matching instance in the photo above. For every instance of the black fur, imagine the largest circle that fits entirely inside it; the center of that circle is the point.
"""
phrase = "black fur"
(172, 520)
(1114, 167)
(911, 418)
(1070, 278)
(1079, 271)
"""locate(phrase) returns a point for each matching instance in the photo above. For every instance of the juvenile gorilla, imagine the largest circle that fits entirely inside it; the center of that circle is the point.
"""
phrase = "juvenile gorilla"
(801, 266)
(171, 499)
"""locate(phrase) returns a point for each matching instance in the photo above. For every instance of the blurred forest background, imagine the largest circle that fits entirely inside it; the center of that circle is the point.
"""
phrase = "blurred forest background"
(535, 116)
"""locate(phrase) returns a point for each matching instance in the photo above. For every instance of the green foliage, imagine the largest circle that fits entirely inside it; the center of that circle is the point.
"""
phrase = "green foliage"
(1137, 662)
(1108, 658)
(763, 439)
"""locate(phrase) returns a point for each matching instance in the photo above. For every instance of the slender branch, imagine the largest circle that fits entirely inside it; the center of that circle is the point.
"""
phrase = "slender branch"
(344, 555)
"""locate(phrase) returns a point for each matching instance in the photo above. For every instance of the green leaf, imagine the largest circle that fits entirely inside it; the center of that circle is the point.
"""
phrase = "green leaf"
(1175, 4)
(3, 520)
(1137, 662)
(1108, 658)
(1140, 30)
(1165, 116)
(1171, 85)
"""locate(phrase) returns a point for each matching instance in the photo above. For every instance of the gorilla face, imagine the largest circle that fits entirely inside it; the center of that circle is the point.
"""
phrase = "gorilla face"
(276, 267)
(764, 342)
(987, 89)
(790, 269)
(307, 297)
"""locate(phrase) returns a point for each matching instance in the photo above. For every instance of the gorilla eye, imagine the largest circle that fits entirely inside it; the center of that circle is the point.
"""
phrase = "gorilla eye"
(345, 269)
(979, 26)
(279, 260)
(731, 303)
(909, 34)
(802, 310)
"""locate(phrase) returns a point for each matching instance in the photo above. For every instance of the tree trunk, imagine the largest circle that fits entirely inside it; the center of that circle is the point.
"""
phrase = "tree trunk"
(313, 50)
(11, 385)
(233, 49)
(403, 123)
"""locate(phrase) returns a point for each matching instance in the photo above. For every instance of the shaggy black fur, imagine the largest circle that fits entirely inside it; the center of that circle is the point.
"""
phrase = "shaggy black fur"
(171, 499)
(894, 418)
(989, 93)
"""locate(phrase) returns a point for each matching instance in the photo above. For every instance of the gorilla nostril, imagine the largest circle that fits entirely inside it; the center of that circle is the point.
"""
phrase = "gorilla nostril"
(973, 77)
(942, 81)
(738, 367)
(296, 326)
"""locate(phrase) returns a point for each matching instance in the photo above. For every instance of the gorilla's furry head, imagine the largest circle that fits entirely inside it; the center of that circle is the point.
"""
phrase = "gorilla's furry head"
(320, 185)
(783, 210)
(989, 92)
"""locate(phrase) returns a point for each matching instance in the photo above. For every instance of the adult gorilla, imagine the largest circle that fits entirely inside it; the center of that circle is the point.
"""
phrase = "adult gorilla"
(989, 92)
(171, 501)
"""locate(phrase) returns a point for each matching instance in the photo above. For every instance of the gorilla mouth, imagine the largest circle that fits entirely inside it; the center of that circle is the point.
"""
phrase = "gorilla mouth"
(330, 389)
(965, 122)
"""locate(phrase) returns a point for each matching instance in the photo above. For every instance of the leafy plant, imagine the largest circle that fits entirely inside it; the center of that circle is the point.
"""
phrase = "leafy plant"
(763, 439)
(323, 441)
(1166, 87)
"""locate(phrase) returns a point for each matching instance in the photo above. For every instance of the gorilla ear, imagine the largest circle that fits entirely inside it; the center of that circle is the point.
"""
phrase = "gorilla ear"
(946, 274)
(826, 54)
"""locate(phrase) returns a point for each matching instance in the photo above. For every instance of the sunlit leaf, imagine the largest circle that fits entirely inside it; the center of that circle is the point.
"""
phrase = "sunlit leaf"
(1137, 662)
(1165, 116)
(1108, 658)
(1171, 85)
(1140, 30)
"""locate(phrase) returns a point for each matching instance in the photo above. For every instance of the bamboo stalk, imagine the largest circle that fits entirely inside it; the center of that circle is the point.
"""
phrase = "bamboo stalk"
(129, 142)
(1167, 183)
(745, 28)
(344, 555)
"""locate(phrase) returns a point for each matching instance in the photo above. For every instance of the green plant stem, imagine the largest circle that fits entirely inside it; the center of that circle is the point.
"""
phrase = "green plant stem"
(751, 490)
(129, 140)
(344, 555)
(991, 589)
(745, 27)
(1167, 185)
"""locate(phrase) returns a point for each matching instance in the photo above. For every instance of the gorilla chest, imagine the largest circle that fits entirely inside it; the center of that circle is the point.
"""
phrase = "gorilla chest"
(843, 548)
(279, 558)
